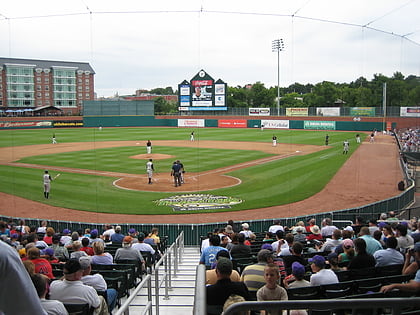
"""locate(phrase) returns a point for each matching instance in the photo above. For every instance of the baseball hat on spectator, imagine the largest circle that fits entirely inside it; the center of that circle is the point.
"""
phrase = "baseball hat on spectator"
(348, 243)
(49, 251)
(267, 246)
(315, 229)
(382, 224)
(228, 229)
(14, 236)
(332, 255)
(85, 262)
(298, 269)
(127, 239)
(132, 231)
(222, 253)
(56, 237)
(245, 225)
(141, 236)
(318, 260)
(94, 233)
(66, 231)
(118, 228)
(71, 266)
(349, 228)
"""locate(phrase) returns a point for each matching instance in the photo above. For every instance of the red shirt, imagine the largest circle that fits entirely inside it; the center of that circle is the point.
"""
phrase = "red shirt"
(311, 237)
(48, 239)
(43, 267)
(88, 250)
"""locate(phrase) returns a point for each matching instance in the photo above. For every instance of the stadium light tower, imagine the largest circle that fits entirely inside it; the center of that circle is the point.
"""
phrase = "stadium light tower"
(278, 46)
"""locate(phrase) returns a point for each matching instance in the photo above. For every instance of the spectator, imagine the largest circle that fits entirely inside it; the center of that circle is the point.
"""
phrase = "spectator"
(97, 282)
(49, 255)
(412, 286)
(279, 241)
(404, 240)
(205, 242)
(60, 252)
(299, 236)
(331, 243)
(296, 256)
(154, 235)
(128, 252)
(362, 259)
(86, 248)
(276, 227)
(372, 245)
(142, 246)
(224, 242)
(65, 238)
(77, 252)
(240, 249)
(297, 226)
(390, 255)
(218, 293)
(108, 231)
(52, 307)
(348, 251)
(333, 262)
(42, 265)
(211, 275)
(245, 230)
(94, 237)
(412, 260)
(310, 223)
(315, 233)
(208, 256)
(48, 236)
(43, 228)
(117, 237)
(327, 228)
(271, 291)
(359, 223)
(284, 249)
(296, 280)
(101, 257)
(253, 275)
(268, 237)
(321, 275)
(71, 290)
(373, 226)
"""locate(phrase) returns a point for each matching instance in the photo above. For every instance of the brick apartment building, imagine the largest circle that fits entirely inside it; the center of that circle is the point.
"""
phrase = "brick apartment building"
(34, 85)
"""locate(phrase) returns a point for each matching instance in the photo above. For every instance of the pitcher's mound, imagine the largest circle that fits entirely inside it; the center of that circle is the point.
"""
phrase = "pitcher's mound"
(154, 156)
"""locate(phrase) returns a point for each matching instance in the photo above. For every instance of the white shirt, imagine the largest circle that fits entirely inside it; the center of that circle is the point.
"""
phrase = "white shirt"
(53, 307)
(274, 228)
(149, 166)
(74, 292)
(324, 276)
(47, 178)
(95, 281)
(143, 247)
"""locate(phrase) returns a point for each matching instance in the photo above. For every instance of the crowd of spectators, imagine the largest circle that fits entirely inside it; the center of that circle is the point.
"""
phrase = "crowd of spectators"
(33, 251)
(410, 140)
(305, 255)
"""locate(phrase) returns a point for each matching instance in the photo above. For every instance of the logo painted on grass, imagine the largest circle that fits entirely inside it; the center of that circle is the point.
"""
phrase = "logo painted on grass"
(194, 202)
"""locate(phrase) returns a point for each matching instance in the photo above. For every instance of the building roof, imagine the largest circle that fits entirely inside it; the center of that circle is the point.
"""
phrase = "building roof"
(85, 66)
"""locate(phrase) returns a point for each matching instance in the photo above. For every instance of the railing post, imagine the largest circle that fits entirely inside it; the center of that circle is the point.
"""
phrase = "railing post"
(157, 291)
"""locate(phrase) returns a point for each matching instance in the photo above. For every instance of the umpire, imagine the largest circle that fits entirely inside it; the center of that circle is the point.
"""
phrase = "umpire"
(176, 173)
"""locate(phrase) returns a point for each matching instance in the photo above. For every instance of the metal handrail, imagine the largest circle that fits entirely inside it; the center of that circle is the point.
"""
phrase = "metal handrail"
(166, 260)
(200, 290)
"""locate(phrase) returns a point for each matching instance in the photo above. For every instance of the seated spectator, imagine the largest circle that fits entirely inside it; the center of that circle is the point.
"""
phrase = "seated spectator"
(218, 293)
(321, 275)
(97, 282)
(14, 240)
(240, 249)
(412, 260)
(65, 238)
(86, 248)
(279, 241)
(142, 246)
(331, 243)
(42, 229)
(404, 240)
(377, 235)
(208, 256)
(108, 231)
(284, 249)
(77, 252)
(134, 234)
(117, 237)
(154, 235)
(48, 254)
(71, 290)
(211, 275)
(315, 233)
(75, 237)
(272, 291)
(48, 236)
(245, 230)
(275, 227)
(269, 238)
(232, 299)
(42, 265)
(296, 279)
(362, 259)
(128, 252)
(94, 237)
(299, 236)
(298, 226)
(348, 251)
(101, 257)
(372, 245)
(310, 223)
(296, 256)
(373, 226)
(205, 242)
(60, 252)
(413, 286)
(224, 242)
(390, 255)
(253, 275)
(333, 262)
(54, 307)
(359, 223)
(327, 228)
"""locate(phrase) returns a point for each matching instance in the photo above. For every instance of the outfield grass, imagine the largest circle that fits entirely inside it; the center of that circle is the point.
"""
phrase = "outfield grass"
(278, 182)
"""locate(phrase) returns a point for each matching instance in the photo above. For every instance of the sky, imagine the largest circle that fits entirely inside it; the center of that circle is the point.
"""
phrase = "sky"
(137, 44)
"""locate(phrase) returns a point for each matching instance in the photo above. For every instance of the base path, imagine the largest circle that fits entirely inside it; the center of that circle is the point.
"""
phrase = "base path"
(371, 174)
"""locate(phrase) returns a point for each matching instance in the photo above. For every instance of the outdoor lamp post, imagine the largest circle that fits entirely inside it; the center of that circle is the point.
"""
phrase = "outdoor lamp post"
(278, 46)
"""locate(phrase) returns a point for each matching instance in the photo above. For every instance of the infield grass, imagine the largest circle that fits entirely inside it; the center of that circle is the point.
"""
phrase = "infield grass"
(274, 183)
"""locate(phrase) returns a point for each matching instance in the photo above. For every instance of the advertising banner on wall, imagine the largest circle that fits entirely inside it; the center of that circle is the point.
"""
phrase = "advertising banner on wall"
(296, 111)
(191, 122)
(410, 111)
(231, 123)
(319, 125)
(22, 124)
(275, 124)
(362, 111)
(259, 111)
(328, 111)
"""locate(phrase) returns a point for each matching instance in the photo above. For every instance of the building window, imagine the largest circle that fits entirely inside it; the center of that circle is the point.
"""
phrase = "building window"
(47, 94)
(87, 88)
(80, 95)
(79, 88)
(38, 88)
(47, 80)
(47, 102)
(87, 81)
(39, 103)
(38, 79)
(87, 95)
(38, 95)
(47, 88)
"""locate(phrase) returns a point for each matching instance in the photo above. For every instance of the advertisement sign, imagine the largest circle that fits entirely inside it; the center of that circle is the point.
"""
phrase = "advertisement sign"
(184, 100)
(202, 92)
(231, 123)
(21, 124)
(319, 125)
(296, 111)
(328, 111)
(66, 124)
(184, 89)
(219, 88)
(219, 100)
(191, 122)
(259, 112)
(410, 111)
(275, 124)
(362, 111)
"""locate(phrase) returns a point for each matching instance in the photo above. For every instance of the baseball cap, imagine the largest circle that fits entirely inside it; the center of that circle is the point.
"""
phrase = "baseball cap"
(300, 229)
(141, 236)
(14, 236)
(127, 239)
(66, 231)
(118, 228)
(298, 269)
(228, 229)
(332, 255)
(94, 233)
(318, 260)
(347, 243)
(267, 246)
(72, 266)
(85, 262)
(132, 231)
(56, 237)
(49, 251)
(382, 224)
(245, 225)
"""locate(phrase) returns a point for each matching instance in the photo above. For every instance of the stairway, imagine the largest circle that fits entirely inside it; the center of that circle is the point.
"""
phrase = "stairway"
(181, 296)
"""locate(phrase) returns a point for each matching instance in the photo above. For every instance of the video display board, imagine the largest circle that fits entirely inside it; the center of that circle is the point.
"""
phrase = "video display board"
(202, 92)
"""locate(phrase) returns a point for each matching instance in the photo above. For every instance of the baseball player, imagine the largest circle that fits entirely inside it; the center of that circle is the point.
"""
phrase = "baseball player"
(327, 138)
(47, 184)
(346, 147)
(358, 138)
(176, 173)
(192, 136)
(182, 171)
(372, 137)
(149, 147)
(149, 170)
(54, 140)
(274, 141)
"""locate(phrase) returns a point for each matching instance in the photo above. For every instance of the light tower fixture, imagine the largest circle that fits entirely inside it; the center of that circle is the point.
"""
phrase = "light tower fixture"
(278, 46)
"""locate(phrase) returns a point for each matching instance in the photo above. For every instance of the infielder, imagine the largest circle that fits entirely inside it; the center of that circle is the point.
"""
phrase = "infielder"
(327, 138)
(358, 138)
(47, 184)
(54, 140)
(346, 147)
(274, 141)
(149, 147)
(192, 136)
(149, 170)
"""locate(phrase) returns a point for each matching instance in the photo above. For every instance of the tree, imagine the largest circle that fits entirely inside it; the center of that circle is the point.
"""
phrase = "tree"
(260, 96)
(162, 106)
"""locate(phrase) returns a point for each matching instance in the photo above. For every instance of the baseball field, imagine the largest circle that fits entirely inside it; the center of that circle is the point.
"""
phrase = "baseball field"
(103, 171)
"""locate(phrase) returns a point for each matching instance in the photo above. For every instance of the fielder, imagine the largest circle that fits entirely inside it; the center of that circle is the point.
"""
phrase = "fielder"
(274, 141)
(54, 140)
(192, 136)
(346, 147)
(47, 184)
(149, 170)
(149, 147)
(358, 138)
